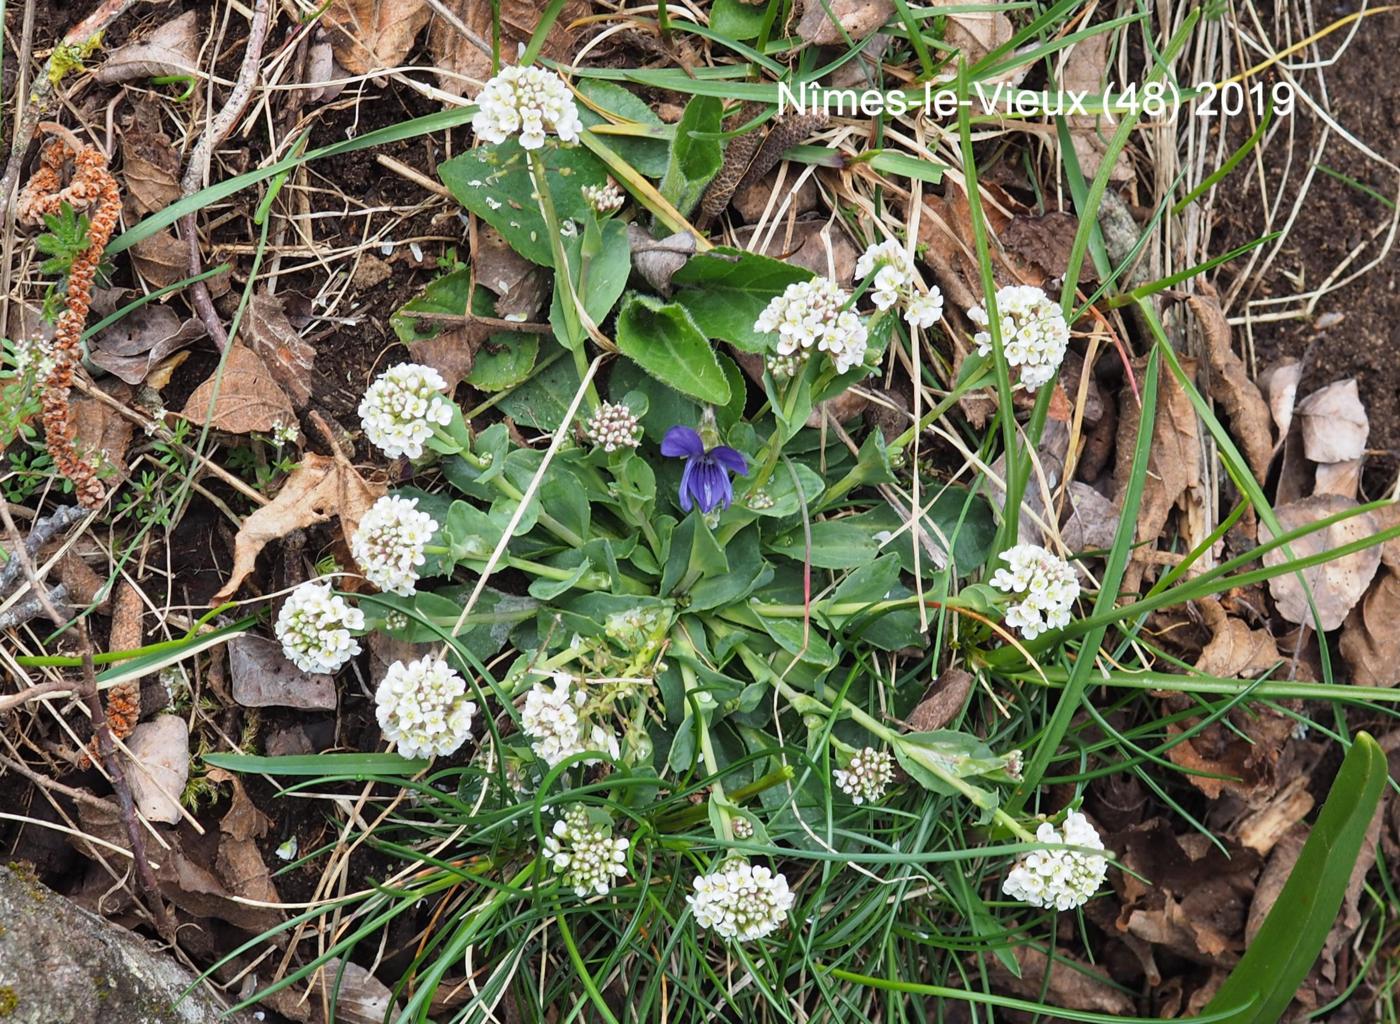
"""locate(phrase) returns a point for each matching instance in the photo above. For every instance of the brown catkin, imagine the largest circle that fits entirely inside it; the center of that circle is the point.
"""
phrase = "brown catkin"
(124, 699)
(92, 188)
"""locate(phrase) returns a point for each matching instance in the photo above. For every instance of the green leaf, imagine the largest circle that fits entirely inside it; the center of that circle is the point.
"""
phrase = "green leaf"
(1283, 951)
(360, 766)
(725, 290)
(650, 156)
(446, 294)
(604, 279)
(504, 361)
(662, 339)
(694, 161)
(494, 182)
(737, 20)
(543, 400)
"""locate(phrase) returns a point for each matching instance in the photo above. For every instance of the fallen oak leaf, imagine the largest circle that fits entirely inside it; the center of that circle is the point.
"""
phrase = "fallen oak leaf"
(321, 487)
(1370, 642)
(241, 400)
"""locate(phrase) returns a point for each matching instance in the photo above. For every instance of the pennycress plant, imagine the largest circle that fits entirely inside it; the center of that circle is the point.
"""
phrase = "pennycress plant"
(684, 587)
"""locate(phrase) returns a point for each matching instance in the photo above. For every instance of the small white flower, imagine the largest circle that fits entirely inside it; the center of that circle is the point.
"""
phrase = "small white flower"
(315, 628)
(423, 709)
(894, 271)
(400, 409)
(924, 310)
(613, 426)
(1046, 586)
(603, 198)
(554, 720)
(529, 101)
(587, 855)
(1034, 334)
(389, 542)
(284, 433)
(809, 315)
(866, 776)
(740, 901)
(1063, 879)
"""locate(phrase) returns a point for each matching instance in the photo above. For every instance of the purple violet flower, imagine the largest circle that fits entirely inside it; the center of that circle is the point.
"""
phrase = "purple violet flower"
(705, 481)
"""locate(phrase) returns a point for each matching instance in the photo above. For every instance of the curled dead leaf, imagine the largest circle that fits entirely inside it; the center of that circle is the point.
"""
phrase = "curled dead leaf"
(1370, 639)
(1235, 651)
(150, 166)
(1279, 383)
(1231, 387)
(1086, 71)
(172, 49)
(133, 346)
(241, 400)
(1336, 585)
(321, 487)
(827, 22)
(811, 243)
(658, 259)
(281, 347)
(161, 259)
(942, 701)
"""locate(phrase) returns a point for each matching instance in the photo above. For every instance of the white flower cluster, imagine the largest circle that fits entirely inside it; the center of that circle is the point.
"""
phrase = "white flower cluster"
(315, 628)
(896, 281)
(740, 901)
(389, 542)
(1063, 879)
(530, 101)
(603, 198)
(586, 854)
(553, 718)
(1046, 586)
(401, 407)
(866, 776)
(613, 426)
(423, 708)
(809, 315)
(1034, 334)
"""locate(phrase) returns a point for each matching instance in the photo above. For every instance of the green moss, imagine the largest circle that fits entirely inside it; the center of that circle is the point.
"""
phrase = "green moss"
(9, 1001)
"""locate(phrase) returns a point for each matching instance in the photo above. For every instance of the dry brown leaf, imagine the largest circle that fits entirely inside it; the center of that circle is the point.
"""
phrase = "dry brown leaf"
(658, 259)
(1043, 243)
(521, 287)
(1235, 651)
(172, 49)
(319, 488)
(367, 35)
(281, 347)
(160, 755)
(1262, 830)
(452, 353)
(1085, 70)
(1334, 423)
(1072, 983)
(1370, 639)
(1092, 522)
(857, 18)
(943, 700)
(139, 341)
(1232, 388)
(1174, 466)
(1340, 478)
(245, 397)
(100, 430)
(150, 164)
(978, 33)
(161, 259)
(811, 243)
(1336, 585)
(1279, 383)
(242, 820)
(263, 677)
(455, 53)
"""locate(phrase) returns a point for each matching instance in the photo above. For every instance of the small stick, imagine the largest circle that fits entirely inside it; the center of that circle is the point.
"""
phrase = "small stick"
(39, 535)
(199, 163)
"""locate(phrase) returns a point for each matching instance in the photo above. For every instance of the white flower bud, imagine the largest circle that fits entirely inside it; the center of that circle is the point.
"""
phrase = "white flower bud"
(587, 855)
(866, 776)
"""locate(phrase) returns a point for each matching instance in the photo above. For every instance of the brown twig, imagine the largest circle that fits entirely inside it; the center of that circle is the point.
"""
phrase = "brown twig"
(520, 326)
(200, 159)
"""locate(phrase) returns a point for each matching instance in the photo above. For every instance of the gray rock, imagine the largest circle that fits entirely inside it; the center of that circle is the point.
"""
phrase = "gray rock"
(60, 964)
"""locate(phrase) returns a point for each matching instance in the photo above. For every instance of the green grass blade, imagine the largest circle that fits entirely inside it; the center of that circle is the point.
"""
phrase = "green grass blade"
(1283, 952)
(343, 765)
